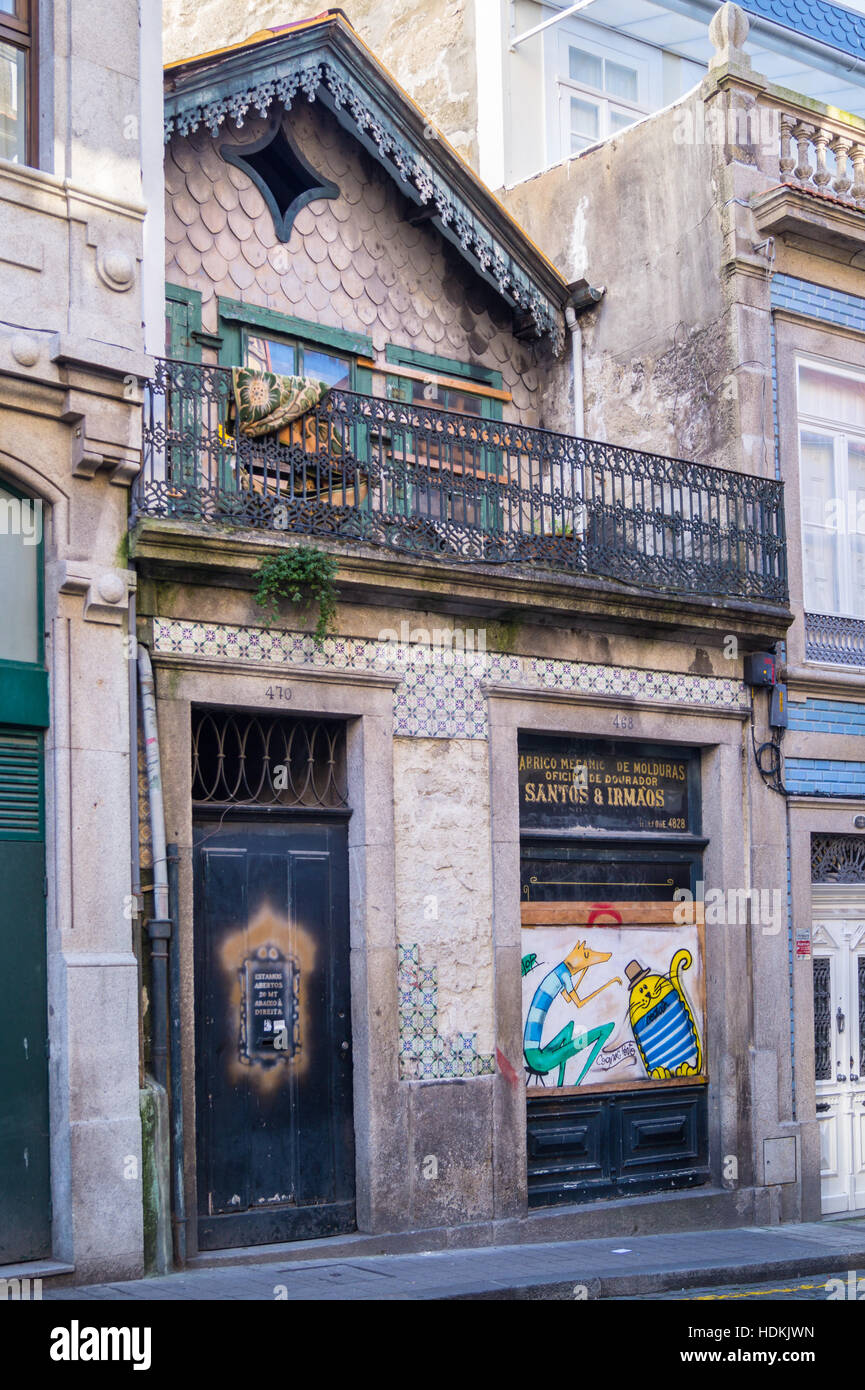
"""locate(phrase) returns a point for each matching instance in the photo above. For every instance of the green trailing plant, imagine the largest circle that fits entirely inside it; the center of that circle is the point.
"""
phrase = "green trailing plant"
(304, 576)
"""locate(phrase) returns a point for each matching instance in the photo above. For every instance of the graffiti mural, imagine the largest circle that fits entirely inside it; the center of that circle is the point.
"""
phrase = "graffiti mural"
(640, 1023)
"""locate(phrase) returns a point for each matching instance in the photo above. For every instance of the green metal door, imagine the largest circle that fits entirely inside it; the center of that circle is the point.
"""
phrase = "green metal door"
(25, 1213)
(25, 1210)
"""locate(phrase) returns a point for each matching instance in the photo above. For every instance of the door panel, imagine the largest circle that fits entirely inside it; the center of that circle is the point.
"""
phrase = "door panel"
(839, 970)
(273, 1071)
(25, 1208)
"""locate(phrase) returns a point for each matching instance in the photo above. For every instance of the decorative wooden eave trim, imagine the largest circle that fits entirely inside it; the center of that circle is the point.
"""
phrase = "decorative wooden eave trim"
(326, 61)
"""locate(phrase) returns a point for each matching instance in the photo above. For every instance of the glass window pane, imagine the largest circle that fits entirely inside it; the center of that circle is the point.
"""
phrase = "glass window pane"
(585, 68)
(13, 103)
(324, 366)
(20, 534)
(585, 119)
(464, 402)
(620, 81)
(270, 355)
(822, 579)
(620, 120)
(836, 399)
(8, 6)
(818, 479)
(823, 523)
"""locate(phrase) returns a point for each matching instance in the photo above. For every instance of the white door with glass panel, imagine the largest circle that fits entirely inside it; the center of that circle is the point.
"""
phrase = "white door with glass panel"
(839, 1060)
(832, 455)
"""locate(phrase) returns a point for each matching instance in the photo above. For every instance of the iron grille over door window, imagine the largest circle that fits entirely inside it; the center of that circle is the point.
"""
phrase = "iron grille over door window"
(822, 1020)
(255, 760)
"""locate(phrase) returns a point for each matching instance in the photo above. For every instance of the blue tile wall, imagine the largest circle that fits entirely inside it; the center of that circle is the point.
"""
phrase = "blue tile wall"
(824, 775)
(827, 717)
(818, 302)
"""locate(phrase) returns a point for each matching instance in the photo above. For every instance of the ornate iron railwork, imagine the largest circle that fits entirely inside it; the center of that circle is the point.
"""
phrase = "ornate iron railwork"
(430, 482)
(838, 858)
(822, 1020)
(830, 638)
(267, 760)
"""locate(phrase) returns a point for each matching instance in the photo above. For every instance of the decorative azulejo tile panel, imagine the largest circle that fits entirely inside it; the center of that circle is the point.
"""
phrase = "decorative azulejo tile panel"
(441, 692)
(424, 1055)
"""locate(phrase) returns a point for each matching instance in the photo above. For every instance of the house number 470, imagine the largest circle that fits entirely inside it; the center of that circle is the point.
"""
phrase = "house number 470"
(623, 721)
(278, 692)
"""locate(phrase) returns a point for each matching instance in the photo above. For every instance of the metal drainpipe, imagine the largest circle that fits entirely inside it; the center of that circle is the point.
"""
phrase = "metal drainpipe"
(573, 323)
(583, 298)
(159, 926)
(132, 671)
(178, 1194)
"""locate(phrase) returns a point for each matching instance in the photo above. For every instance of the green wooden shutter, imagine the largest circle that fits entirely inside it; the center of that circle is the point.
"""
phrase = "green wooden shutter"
(182, 321)
(20, 786)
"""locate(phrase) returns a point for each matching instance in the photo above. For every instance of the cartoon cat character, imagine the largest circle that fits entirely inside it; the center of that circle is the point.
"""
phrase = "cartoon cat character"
(661, 1020)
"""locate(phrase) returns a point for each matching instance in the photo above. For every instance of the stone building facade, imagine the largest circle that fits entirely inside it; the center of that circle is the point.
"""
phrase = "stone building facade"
(744, 315)
(510, 600)
(72, 352)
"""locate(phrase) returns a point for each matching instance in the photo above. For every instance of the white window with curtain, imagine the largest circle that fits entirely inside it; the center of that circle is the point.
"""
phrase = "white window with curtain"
(831, 405)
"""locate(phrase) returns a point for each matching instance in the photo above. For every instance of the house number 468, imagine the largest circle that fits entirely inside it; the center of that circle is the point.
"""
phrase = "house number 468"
(623, 721)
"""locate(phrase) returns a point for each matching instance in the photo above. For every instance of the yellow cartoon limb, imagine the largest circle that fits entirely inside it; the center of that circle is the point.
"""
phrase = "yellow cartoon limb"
(682, 961)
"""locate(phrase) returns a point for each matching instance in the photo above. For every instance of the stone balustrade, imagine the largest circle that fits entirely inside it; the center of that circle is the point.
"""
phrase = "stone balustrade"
(823, 155)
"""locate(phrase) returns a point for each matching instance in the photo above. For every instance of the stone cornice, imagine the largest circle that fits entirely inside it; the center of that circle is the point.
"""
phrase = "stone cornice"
(196, 552)
(787, 208)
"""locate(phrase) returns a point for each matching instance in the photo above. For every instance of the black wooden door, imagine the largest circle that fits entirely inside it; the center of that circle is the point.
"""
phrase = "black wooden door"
(273, 1038)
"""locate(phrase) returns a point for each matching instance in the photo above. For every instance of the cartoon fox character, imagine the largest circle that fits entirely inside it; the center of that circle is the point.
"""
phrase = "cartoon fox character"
(661, 1019)
(565, 979)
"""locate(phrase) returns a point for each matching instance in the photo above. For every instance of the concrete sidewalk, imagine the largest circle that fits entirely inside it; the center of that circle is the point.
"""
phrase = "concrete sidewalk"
(612, 1268)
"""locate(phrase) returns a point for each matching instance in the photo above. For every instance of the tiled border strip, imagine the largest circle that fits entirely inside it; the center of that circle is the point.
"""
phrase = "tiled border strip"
(441, 692)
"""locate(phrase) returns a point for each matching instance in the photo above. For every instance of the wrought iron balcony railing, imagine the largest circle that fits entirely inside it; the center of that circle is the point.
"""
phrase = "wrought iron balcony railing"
(432, 483)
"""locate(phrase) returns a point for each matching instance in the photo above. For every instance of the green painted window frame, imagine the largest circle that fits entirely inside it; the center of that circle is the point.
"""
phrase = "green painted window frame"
(24, 697)
(446, 366)
(182, 304)
(237, 319)
(491, 409)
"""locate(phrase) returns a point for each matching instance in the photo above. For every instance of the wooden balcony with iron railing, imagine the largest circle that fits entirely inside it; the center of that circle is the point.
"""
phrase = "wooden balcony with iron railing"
(434, 484)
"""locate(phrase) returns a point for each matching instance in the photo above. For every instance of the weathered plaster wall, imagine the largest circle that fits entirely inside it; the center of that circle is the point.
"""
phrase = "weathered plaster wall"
(428, 45)
(443, 875)
(353, 262)
(639, 215)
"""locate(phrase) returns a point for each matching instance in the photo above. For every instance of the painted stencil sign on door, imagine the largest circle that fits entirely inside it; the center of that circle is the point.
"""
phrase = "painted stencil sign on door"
(607, 1006)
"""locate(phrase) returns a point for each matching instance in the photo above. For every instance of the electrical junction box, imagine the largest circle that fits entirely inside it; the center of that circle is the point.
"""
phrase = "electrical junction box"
(759, 668)
(778, 708)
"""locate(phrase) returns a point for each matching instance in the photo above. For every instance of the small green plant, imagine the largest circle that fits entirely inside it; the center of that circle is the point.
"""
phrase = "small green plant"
(304, 576)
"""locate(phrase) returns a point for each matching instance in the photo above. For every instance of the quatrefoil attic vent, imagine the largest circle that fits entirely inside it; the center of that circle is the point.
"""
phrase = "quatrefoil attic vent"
(281, 174)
